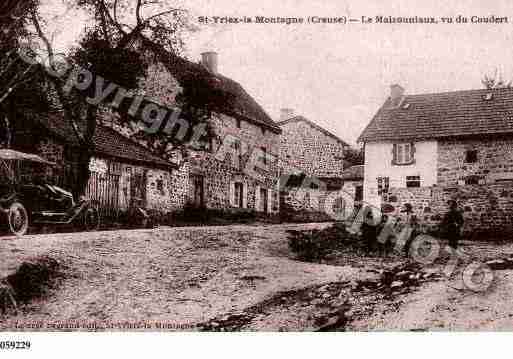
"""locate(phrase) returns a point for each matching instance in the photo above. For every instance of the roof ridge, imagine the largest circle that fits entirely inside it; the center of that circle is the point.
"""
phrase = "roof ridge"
(460, 91)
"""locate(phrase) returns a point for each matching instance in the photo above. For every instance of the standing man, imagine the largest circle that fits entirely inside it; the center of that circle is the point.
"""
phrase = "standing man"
(369, 232)
(453, 222)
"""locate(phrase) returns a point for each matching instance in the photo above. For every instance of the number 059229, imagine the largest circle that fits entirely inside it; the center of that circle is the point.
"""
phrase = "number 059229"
(14, 345)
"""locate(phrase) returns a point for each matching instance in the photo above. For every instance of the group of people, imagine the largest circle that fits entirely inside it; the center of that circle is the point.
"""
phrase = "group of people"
(378, 239)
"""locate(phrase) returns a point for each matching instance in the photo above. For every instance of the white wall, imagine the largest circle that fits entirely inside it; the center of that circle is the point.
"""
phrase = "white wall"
(378, 163)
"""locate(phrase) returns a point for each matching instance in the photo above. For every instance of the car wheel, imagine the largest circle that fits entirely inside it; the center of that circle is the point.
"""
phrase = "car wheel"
(91, 219)
(17, 219)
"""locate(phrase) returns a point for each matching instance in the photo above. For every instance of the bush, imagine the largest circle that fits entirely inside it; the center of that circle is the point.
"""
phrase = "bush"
(315, 245)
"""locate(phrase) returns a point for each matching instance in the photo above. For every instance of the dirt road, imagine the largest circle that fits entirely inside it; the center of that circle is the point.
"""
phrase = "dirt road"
(239, 277)
(175, 276)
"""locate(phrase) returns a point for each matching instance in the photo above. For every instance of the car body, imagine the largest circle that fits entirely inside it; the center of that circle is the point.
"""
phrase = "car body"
(33, 202)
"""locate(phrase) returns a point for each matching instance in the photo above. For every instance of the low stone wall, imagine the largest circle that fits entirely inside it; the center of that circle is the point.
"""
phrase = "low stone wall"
(486, 208)
(314, 205)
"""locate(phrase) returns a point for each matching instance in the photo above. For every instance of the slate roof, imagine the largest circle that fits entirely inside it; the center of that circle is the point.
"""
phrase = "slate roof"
(222, 93)
(443, 115)
(314, 125)
(108, 142)
(353, 173)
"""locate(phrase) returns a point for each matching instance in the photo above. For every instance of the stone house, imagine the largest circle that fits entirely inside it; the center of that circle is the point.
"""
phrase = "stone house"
(313, 157)
(224, 176)
(425, 149)
(120, 169)
(308, 148)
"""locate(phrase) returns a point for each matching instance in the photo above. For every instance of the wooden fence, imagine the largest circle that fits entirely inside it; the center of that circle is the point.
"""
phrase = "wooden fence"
(104, 190)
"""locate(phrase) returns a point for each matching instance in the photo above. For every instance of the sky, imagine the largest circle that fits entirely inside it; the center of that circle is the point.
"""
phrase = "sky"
(339, 75)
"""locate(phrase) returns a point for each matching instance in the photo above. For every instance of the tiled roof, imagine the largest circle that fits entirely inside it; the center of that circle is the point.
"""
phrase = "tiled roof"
(107, 141)
(353, 173)
(439, 115)
(314, 125)
(224, 94)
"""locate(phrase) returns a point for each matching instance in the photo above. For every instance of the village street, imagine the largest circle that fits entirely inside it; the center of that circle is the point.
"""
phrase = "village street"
(241, 275)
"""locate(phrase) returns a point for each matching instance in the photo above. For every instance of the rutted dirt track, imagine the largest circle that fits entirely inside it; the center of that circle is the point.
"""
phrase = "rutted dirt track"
(235, 278)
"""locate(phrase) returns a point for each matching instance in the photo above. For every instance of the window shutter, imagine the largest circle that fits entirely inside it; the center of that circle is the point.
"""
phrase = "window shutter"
(257, 198)
(232, 194)
(244, 195)
(413, 149)
(394, 154)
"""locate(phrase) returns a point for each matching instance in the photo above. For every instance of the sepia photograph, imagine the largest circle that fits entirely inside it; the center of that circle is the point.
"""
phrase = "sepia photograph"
(173, 166)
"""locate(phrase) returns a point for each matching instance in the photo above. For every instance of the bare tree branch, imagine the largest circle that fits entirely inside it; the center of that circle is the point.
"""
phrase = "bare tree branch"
(60, 92)
(138, 12)
(163, 13)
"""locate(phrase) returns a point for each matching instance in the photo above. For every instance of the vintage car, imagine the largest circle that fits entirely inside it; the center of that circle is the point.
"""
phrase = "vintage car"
(27, 201)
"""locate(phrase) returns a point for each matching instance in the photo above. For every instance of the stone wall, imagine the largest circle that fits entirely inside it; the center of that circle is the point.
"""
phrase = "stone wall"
(311, 205)
(306, 149)
(486, 208)
(180, 186)
(165, 191)
(221, 168)
(494, 161)
(53, 152)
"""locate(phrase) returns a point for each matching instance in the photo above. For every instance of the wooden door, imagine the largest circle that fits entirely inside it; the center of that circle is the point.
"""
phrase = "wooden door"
(239, 195)
(264, 200)
(199, 192)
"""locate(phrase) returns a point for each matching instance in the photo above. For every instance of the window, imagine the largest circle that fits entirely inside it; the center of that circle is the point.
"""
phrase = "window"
(403, 153)
(238, 149)
(470, 180)
(239, 193)
(358, 195)
(383, 185)
(236, 144)
(238, 123)
(471, 156)
(264, 155)
(412, 181)
(160, 186)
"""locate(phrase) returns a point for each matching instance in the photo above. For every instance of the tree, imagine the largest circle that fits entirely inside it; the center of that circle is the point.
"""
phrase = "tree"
(495, 81)
(130, 37)
(117, 48)
(22, 85)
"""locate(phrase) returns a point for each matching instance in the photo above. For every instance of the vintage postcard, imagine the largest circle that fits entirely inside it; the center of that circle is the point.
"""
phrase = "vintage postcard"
(240, 166)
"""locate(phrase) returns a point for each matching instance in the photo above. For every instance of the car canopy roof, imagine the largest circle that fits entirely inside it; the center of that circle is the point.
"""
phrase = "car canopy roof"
(6, 154)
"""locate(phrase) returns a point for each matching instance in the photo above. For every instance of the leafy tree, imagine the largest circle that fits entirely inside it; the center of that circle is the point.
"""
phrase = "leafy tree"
(128, 39)
(118, 46)
(21, 85)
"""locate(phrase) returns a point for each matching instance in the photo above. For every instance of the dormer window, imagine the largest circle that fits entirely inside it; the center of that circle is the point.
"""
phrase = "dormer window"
(403, 154)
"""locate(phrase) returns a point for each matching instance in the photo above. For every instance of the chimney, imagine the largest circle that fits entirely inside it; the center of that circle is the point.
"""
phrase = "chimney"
(209, 59)
(286, 113)
(396, 94)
